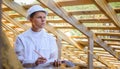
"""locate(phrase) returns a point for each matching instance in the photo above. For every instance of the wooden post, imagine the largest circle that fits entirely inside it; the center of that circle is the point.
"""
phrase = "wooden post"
(8, 59)
(0, 34)
(59, 40)
(90, 53)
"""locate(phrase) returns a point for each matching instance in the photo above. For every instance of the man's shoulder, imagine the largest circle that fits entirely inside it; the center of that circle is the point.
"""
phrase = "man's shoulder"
(51, 36)
(26, 33)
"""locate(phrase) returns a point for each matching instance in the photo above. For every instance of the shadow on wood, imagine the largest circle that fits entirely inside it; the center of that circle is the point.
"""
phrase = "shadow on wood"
(8, 58)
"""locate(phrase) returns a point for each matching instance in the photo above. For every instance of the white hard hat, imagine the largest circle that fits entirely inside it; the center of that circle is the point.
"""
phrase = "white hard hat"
(33, 9)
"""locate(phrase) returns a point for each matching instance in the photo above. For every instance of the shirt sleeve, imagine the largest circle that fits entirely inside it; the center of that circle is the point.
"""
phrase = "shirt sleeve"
(54, 50)
(19, 49)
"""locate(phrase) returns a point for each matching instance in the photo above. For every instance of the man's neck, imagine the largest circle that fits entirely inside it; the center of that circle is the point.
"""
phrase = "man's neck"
(36, 30)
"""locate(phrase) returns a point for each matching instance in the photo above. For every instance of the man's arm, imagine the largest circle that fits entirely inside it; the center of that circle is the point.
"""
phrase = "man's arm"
(19, 49)
(54, 51)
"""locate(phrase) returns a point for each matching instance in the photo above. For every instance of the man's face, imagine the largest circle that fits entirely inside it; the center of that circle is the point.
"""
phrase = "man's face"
(38, 20)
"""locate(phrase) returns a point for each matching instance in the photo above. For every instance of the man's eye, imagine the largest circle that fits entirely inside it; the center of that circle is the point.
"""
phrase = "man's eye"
(38, 17)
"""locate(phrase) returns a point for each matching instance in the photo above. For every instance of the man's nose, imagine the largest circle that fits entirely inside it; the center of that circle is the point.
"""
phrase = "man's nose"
(43, 19)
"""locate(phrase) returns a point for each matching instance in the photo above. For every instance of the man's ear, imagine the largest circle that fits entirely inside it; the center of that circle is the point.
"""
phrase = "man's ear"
(30, 19)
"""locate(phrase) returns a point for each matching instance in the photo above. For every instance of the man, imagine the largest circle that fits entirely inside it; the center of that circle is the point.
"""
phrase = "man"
(35, 46)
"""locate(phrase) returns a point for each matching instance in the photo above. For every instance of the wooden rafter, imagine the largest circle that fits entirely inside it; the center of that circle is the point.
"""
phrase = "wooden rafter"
(84, 21)
(83, 58)
(15, 22)
(70, 19)
(111, 39)
(10, 29)
(104, 28)
(108, 11)
(79, 2)
(14, 6)
(108, 34)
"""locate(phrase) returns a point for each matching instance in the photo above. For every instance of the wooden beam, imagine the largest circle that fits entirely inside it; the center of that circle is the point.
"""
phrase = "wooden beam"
(75, 2)
(89, 12)
(79, 37)
(108, 34)
(59, 44)
(79, 12)
(15, 6)
(90, 53)
(64, 27)
(95, 20)
(10, 29)
(6, 9)
(14, 15)
(70, 19)
(113, 43)
(83, 21)
(1, 44)
(104, 28)
(15, 22)
(108, 11)
(117, 10)
(111, 39)
(79, 2)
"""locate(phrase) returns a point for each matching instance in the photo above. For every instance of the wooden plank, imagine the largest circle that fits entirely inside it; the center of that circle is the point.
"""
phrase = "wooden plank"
(75, 2)
(14, 15)
(79, 37)
(108, 34)
(11, 29)
(11, 4)
(108, 11)
(64, 27)
(78, 12)
(70, 19)
(111, 39)
(59, 40)
(79, 2)
(15, 22)
(90, 53)
(6, 9)
(83, 21)
(64, 3)
(113, 43)
(104, 28)
(117, 10)
(95, 20)
(1, 44)
(90, 12)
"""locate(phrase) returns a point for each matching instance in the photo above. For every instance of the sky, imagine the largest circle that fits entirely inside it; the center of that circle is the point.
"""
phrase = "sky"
(24, 1)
